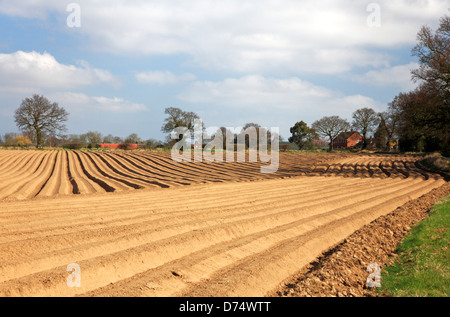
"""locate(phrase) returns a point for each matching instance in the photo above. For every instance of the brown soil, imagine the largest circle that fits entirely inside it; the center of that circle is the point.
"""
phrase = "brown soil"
(135, 228)
(341, 271)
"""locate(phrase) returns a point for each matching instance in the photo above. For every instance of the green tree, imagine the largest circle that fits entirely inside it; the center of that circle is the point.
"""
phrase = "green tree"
(153, 143)
(302, 135)
(380, 137)
(39, 115)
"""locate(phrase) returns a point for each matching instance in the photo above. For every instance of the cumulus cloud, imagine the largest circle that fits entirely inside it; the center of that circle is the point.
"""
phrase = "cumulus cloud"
(33, 70)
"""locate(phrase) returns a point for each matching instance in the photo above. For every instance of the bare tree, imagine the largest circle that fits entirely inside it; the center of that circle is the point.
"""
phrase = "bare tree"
(330, 127)
(390, 121)
(134, 138)
(365, 120)
(108, 139)
(229, 137)
(10, 139)
(93, 138)
(250, 134)
(39, 115)
(178, 118)
(433, 51)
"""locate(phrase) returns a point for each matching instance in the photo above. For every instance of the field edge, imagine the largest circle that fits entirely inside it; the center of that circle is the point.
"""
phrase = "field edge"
(341, 271)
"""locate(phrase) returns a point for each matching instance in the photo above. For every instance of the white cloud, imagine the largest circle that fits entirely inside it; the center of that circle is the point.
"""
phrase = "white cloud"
(30, 8)
(162, 77)
(24, 71)
(396, 76)
(272, 101)
(326, 36)
(79, 103)
(253, 90)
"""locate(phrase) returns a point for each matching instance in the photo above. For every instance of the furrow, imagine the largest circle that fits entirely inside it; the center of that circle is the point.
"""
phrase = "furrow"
(73, 182)
(125, 171)
(102, 167)
(53, 182)
(100, 182)
(27, 186)
(85, 184)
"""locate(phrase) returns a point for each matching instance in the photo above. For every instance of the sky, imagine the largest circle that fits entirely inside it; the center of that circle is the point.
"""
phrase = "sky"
(116, 65)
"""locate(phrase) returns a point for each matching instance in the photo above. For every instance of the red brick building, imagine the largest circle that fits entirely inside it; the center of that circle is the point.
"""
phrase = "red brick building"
(347, 140)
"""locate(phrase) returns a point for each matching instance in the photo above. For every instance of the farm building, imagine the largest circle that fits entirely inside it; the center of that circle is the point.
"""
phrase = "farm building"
(347, 140)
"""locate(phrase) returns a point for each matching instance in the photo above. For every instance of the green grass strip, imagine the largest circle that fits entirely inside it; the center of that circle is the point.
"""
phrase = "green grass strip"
(422, 266)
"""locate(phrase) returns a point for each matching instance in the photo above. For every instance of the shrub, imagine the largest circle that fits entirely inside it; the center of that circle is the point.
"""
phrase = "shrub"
(285, 147)
(72, 146)
(125, 146)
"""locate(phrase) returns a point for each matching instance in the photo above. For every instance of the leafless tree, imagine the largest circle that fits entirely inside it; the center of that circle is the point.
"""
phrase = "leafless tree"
(178, 118)
(390, 121)
(433, 51)
(39, 115)
(331, 127)
(365, 120)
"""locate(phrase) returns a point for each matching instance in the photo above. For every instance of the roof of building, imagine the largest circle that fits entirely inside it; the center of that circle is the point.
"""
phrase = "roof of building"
(346, 135)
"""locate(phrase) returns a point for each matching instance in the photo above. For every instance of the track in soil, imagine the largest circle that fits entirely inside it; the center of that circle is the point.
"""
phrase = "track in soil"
(220, 236)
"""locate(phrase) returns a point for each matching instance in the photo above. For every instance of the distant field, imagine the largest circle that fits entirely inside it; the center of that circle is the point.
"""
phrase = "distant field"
(138, 224)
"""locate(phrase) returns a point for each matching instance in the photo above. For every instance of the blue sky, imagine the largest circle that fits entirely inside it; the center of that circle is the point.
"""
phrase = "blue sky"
(231, 62)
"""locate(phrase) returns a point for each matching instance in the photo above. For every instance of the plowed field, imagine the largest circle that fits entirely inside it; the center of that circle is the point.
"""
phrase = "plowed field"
(135, 229)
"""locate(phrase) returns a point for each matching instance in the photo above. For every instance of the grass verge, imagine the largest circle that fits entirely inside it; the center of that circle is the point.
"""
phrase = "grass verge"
(422, 266)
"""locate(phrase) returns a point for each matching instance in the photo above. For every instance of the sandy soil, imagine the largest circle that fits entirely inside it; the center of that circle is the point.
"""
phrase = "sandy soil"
(135, 229)
(341, 271)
